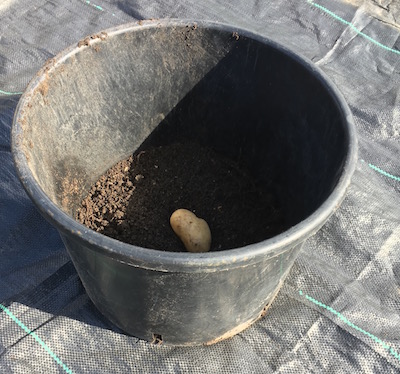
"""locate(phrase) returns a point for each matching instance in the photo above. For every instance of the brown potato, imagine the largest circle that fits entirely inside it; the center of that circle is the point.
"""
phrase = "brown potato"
(193, 231)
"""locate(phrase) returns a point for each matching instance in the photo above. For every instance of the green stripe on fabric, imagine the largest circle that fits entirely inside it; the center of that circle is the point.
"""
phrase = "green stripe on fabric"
(10, 93)
(37, 338)
(351, 324)
(353, 27)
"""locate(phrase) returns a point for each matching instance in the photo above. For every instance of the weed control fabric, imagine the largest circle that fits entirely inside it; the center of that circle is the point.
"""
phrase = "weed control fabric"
(339, 309)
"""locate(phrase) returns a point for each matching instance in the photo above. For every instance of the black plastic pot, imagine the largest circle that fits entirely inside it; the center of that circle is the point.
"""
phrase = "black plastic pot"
(242, 94)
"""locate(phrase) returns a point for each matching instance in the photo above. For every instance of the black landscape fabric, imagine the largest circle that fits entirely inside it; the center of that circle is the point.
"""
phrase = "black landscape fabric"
(339, 308)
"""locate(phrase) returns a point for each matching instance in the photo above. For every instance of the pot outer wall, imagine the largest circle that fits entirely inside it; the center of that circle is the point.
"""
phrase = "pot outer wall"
(181, 308)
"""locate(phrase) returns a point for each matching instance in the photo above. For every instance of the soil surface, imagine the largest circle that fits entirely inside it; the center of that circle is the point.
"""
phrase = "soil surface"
(133, 201)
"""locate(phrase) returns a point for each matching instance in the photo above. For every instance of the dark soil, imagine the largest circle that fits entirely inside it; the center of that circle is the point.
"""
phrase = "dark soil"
(133, 201)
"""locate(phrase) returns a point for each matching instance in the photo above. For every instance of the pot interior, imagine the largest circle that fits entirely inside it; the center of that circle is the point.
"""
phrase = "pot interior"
(154, 85)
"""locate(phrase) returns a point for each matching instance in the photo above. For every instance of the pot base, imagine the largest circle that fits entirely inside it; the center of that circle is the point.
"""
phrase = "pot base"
(245, 325)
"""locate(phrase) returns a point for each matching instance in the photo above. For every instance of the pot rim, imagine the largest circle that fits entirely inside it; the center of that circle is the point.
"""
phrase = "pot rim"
(184, 261)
